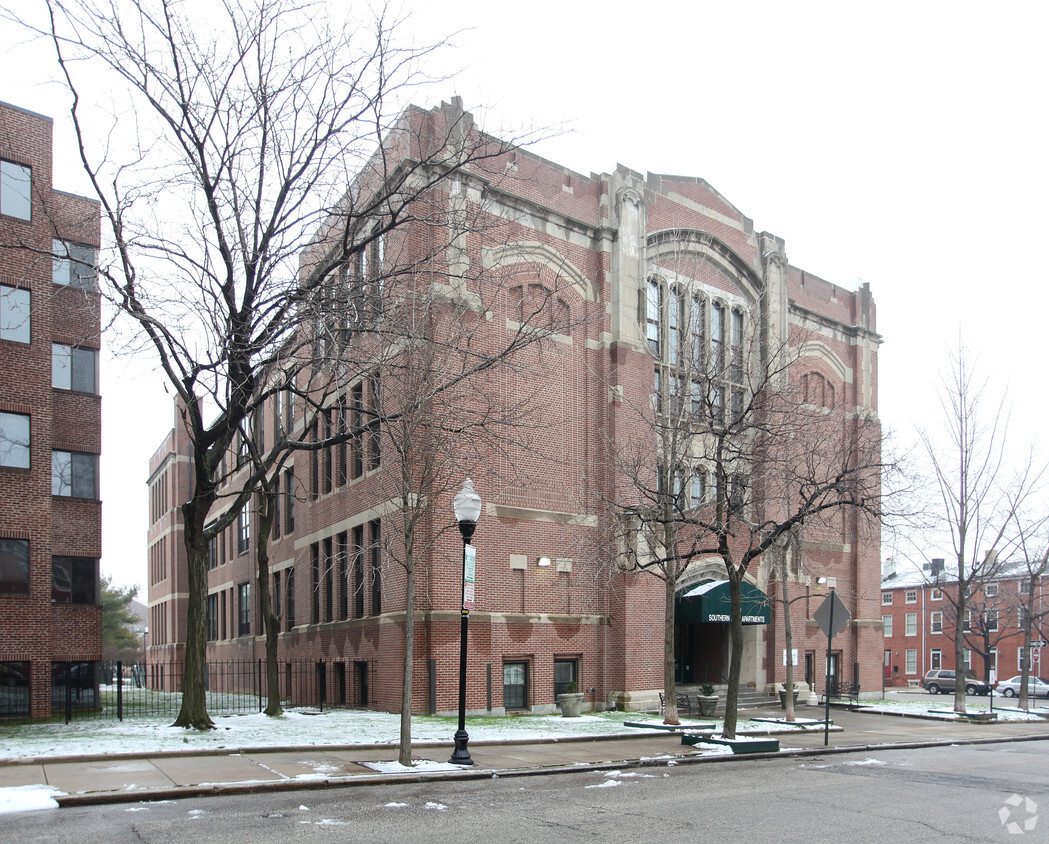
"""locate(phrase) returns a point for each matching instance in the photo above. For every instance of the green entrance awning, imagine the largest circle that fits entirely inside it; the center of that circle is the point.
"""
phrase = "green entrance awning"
(711, 602)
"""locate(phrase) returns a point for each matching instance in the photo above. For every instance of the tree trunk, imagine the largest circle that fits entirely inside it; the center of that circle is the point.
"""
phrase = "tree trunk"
(959, 651)
(267, 513)
(194, 709)
(735, 653)
(788, 638)
(670, 713)
(404, 755)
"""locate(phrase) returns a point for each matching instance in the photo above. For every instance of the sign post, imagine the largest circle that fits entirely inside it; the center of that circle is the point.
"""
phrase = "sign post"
(831, 616)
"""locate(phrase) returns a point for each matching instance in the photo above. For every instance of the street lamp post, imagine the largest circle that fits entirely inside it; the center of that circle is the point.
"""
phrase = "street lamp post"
(467, 508)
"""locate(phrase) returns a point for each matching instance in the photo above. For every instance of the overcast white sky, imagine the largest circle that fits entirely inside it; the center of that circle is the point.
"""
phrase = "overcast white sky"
(902, 144)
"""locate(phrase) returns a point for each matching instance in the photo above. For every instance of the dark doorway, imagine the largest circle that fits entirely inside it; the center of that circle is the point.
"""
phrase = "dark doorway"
(700, 652)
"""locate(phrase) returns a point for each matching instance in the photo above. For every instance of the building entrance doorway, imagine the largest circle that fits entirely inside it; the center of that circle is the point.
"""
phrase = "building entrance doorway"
(701, 653)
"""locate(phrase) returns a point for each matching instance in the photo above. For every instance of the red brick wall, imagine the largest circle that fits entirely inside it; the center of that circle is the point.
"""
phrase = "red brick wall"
(31, 627)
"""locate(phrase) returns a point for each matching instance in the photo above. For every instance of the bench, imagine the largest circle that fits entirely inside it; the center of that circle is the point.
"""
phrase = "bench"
(684, 704)
(838, 690)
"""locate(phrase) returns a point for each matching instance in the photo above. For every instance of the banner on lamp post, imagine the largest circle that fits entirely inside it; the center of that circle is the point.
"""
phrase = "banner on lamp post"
(469, 576)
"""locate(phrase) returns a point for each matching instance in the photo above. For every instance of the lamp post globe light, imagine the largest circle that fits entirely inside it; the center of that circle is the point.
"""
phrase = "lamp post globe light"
(467, 506)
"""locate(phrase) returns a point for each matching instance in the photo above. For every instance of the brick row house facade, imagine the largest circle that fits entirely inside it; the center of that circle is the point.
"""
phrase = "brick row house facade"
(554, 603)
(50, 430)
(919, 627)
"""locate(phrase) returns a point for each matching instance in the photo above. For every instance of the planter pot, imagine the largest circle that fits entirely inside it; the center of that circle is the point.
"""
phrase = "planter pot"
(783, 698)
(708, 705)
(571, 703)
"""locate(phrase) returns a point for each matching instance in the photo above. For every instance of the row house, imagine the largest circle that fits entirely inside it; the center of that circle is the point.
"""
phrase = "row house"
(920, 628)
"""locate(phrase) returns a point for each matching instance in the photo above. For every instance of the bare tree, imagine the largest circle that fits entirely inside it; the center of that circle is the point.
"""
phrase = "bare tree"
(980, 493)
(247, 131)
(732, 461)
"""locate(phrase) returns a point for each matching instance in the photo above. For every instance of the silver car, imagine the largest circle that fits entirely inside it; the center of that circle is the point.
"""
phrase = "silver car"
(1036, 687)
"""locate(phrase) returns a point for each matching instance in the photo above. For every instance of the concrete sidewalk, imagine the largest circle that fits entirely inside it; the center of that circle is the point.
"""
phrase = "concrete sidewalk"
(113, 779)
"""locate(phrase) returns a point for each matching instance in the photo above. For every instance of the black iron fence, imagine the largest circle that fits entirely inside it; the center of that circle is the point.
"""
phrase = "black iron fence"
(119, 690)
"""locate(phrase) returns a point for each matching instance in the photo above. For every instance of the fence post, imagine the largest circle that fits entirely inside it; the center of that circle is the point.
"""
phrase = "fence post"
(120, 690)
(258, 675)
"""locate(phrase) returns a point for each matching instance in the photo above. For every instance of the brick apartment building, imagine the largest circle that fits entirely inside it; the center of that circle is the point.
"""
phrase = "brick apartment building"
(552, 605)
(919, 626)
(50, 429)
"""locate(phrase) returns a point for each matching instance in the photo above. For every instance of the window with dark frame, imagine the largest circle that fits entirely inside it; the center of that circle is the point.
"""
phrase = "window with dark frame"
(14, 680)
(74, 580)
(243, 529)
(327, 457)
(566, 672)
(329, 578)
(357, 441)
(515, 685)
(376, 553)
(315, 583)
(74, 265)
(74, 368)
(244, 609)
(213, 548)
(276, 598)
(289, 500)
(342, 429)
(358, 571)
(344, 586)
(16, 190)
(374, 431)
(74, 475)
(289, 595)
(14, 566)
(213, 616)
(14, 440)
(315, 464)
(16, 322)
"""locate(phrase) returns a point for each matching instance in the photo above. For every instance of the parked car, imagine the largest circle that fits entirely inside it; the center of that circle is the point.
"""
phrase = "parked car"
(1036, 687)
(943, 681)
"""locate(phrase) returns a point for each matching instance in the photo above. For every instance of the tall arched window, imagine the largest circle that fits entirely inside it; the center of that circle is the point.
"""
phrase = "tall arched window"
(736, 341)
(653, 315)
(675, 315)
(697, 331)
(717, 338)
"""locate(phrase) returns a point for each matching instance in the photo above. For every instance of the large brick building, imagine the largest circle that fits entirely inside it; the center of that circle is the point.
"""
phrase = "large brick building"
(50, 429)
(920, 628)
(608, 252)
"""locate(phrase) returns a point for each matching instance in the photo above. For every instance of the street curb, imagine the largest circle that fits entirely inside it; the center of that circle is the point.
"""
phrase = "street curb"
(277, 786)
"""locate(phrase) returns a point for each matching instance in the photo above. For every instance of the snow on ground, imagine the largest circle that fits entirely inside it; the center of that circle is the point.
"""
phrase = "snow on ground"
(940, 708)
(339, 727)
(296, 728)
(28, 798)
